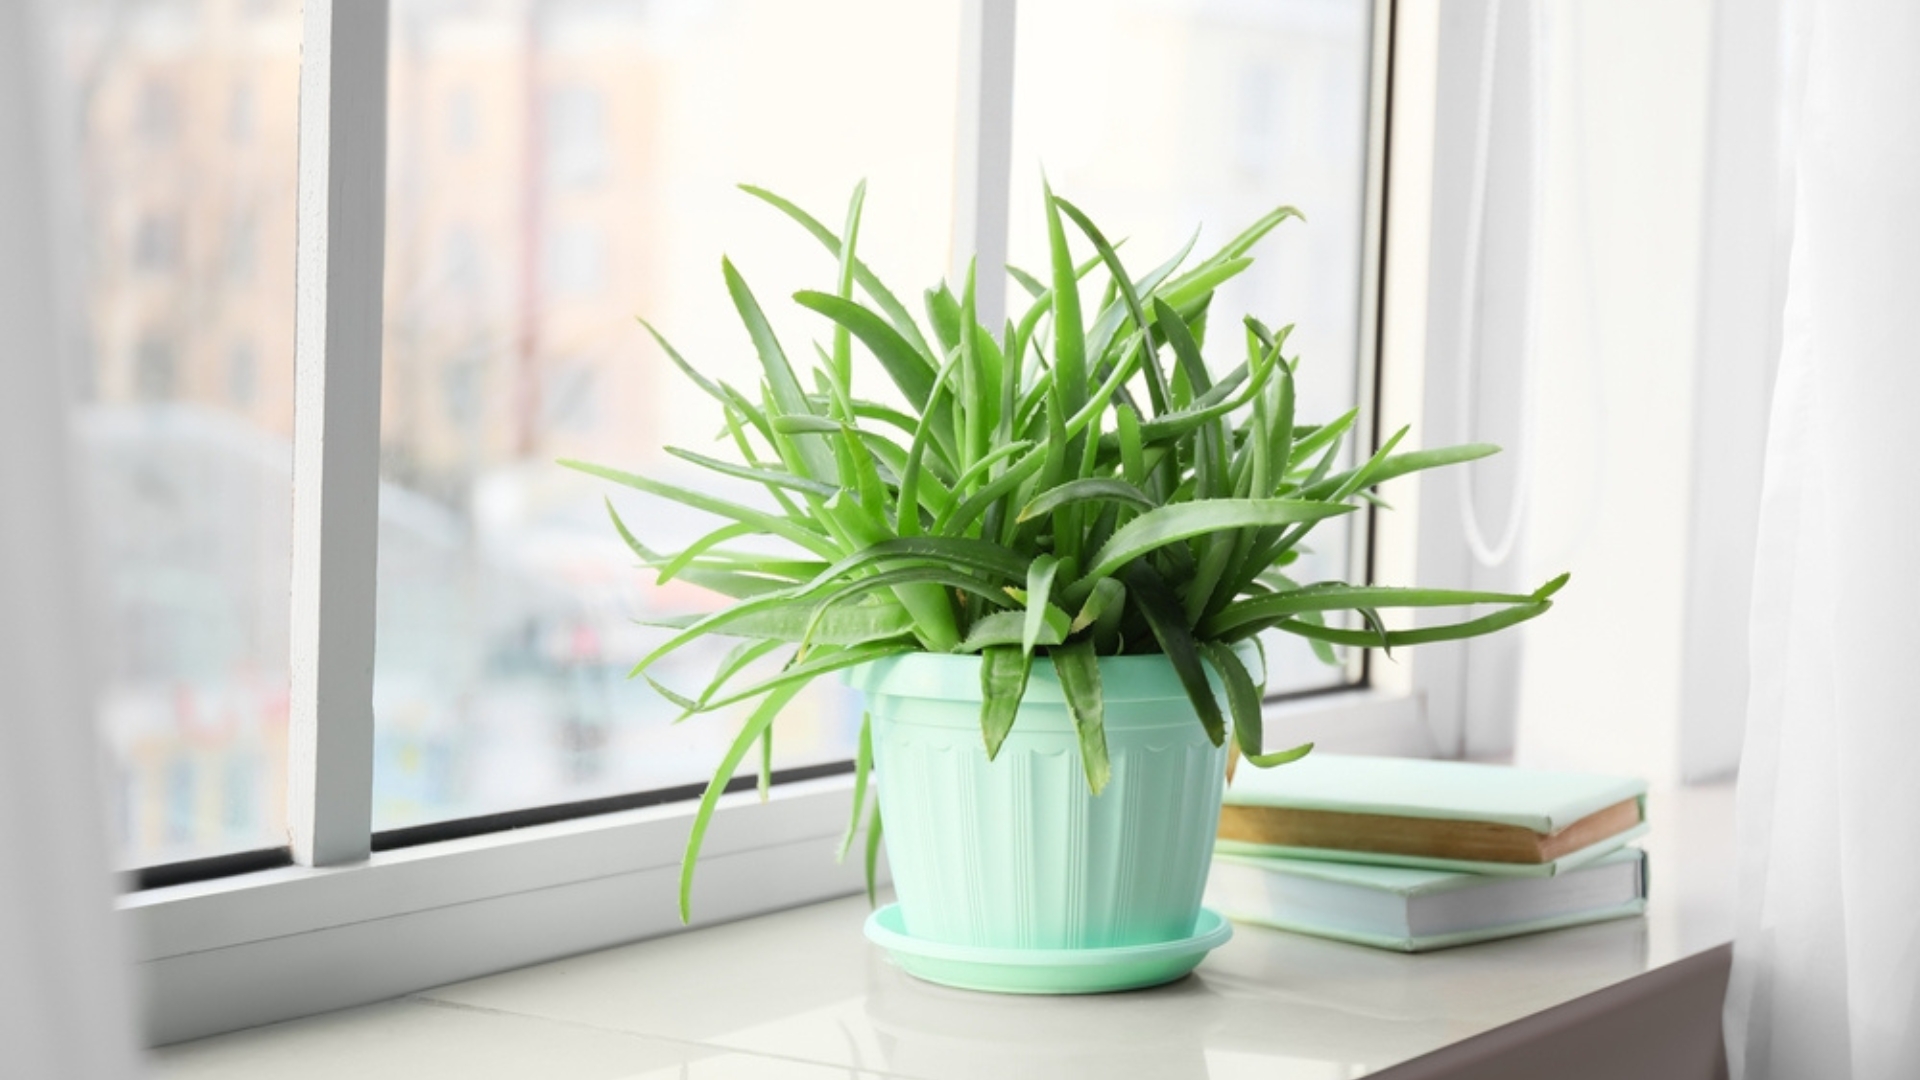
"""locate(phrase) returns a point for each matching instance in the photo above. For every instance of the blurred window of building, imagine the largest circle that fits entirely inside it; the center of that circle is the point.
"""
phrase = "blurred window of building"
(461, 383)
(156, 243)
(569, 398)
(509, 611)
(240, 114)
(463, 120)
(242, 248)
(243, 375)
(576, 261)
(155, 371)
(184, 458)
(157, 111)
(462, 265)
(576, 136)
(1268, 103)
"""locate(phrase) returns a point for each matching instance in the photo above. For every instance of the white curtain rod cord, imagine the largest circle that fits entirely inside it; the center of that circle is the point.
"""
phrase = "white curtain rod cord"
(1491, 555)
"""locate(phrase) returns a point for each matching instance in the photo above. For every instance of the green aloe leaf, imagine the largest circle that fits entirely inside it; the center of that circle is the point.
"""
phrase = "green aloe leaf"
(1078, 670)
(1092, 488)
(772, 523)
(1196, 287)
(862, 765)
(783, 619)
(875, 831)
(1100, 338)
(780, 380)
(841, 361)
(750, 731)
(1010, 628)
(1107, 596)
(896, 311)
(733, 584)
(1399, 465)
(646, 554)
(978, 555)
(1182, 521)
(1040, 575)
(1243, 697)
(736, 661)
(1279, 757)
(1237, 248)
(999, 487)
(814, 666)
(910, 369)
(1426, 635)
(758, 474)
(764, 785)
(692, 373)
(1260, 610)
(1069, 333)
(1156, 379)
(1320, 438)
(1003, 682)
(830, 601)
(1164, 618)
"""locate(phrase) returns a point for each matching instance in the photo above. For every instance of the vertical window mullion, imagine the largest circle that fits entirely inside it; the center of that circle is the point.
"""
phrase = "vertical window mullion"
(336, 457)
(983, 156)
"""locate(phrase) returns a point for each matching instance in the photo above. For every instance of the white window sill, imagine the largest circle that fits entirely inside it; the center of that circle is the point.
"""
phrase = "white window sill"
(260, 948)
(800, 994)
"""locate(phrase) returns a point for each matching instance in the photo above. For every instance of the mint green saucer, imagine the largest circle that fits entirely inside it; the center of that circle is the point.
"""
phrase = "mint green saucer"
(1046, 971)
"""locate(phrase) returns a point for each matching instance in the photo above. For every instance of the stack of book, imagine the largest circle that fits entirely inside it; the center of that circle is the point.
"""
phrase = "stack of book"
(1415, 855)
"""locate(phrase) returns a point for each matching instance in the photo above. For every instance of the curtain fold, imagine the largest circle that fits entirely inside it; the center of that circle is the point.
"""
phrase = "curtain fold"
(1826, 972)
(65, 1008)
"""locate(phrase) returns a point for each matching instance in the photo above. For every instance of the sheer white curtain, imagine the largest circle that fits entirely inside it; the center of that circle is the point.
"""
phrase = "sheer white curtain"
(1826, 978)
(64, 1007)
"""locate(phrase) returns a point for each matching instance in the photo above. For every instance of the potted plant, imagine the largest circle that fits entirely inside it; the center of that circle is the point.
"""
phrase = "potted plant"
(1047, 571)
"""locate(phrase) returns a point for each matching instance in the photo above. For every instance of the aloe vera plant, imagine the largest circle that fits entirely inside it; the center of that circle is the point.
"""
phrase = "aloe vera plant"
(1076, 483)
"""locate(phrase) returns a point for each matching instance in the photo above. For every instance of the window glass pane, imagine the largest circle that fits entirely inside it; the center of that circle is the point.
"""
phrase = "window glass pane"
(556, 168)
(1157, 116)
(176, 170)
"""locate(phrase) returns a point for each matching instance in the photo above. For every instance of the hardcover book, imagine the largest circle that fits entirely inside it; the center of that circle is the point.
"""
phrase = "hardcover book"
(1437, 815)
(1409, 910)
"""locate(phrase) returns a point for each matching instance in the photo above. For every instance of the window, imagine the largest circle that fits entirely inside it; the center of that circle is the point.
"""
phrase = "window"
(507, 606)
(155, 376)
(463, 121)
(462, 267)
(240, 115)
(156, 243)
(243, 242)
(243, 375)
(187, 409)
(157, 112)
(576, 134)
(576, 261)
(551, 168)
(1214, 130)
(568, 398)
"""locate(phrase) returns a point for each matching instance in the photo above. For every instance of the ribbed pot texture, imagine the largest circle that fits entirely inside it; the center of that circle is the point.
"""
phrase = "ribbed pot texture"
(1016, 852)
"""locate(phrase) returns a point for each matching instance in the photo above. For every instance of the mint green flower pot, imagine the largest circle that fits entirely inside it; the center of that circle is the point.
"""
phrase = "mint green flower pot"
(1016, 853)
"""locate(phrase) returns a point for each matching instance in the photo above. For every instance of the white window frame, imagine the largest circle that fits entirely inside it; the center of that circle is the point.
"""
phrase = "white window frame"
(346, 925)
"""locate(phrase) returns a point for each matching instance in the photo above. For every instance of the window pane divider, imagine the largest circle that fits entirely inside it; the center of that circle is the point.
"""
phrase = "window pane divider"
(983, 153)
(339, 276)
